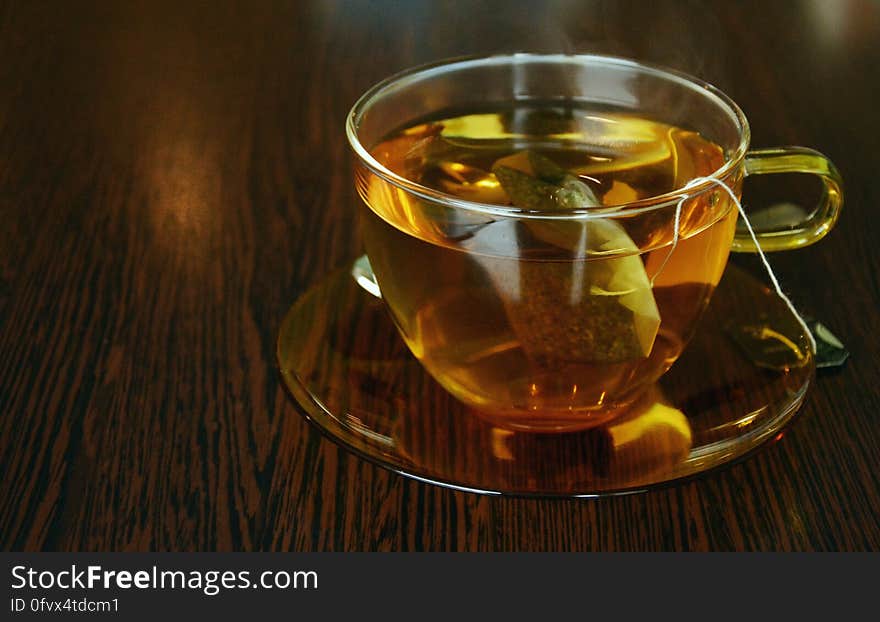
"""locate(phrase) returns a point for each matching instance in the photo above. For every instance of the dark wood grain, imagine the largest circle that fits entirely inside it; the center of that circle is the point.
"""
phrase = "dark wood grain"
(174, 174)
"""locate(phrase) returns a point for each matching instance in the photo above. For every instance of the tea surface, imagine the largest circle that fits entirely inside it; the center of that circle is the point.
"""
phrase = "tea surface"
(545, 324)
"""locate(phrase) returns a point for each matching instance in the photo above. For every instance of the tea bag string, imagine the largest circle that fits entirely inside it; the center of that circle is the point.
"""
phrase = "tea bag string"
(776, 286)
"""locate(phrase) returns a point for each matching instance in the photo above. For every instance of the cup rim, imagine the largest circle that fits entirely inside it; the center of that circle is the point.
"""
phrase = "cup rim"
(632, 208)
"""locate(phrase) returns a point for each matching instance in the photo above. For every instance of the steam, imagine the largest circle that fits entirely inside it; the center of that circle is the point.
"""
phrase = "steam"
(685, 38)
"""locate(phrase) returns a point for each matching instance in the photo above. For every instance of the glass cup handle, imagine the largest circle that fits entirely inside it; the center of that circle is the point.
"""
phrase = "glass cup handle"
(816, 225)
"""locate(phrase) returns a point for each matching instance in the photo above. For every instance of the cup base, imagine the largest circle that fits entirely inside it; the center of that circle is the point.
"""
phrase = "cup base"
(552, 422)
(352, 377)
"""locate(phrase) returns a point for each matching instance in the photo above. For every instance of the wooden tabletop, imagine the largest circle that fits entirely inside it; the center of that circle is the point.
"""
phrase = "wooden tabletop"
(174, 174)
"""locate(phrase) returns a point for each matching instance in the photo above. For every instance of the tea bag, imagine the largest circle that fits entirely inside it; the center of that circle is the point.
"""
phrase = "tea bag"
(601, 310)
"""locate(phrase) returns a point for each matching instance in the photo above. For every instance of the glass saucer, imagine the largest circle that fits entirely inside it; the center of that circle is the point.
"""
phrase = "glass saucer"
(346, 367)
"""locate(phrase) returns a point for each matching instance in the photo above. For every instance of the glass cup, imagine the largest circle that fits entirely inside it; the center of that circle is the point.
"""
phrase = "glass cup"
(557, 316)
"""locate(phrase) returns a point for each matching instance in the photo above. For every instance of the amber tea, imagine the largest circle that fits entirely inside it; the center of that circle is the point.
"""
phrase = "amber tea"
(558, 316)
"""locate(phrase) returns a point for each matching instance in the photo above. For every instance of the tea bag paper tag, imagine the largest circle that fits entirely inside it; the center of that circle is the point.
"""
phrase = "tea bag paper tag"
(830, 352)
